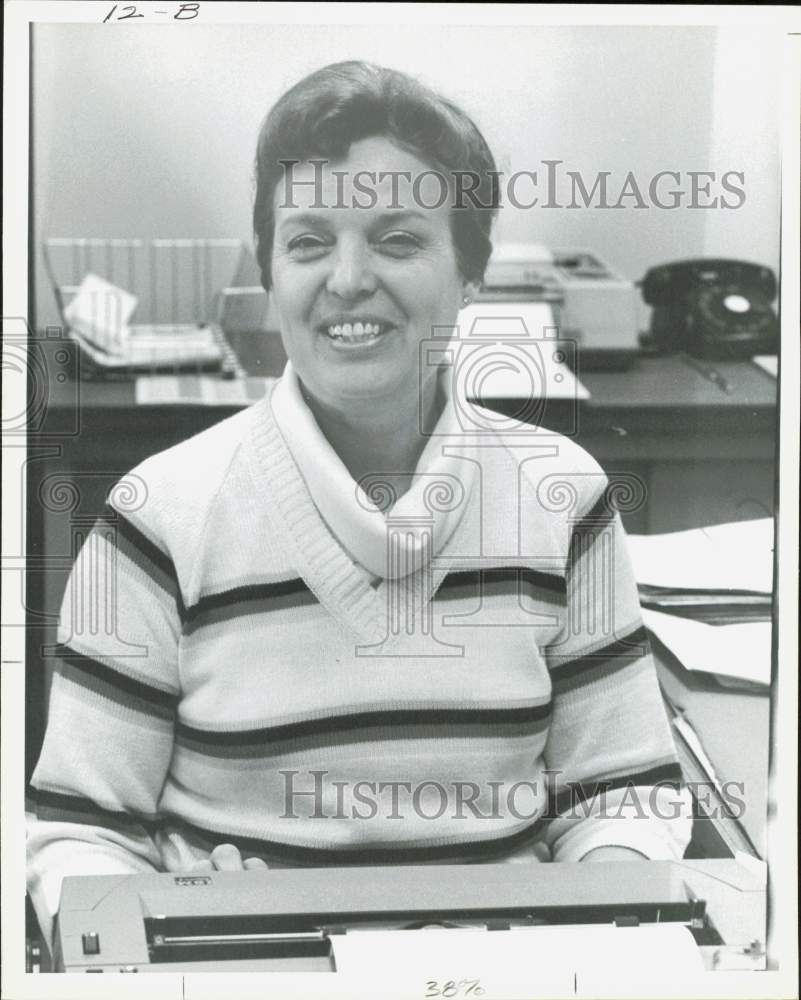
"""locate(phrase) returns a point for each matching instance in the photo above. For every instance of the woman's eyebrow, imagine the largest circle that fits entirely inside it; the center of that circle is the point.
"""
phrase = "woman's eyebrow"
(302, 219)
(390, 217)
(404, 215)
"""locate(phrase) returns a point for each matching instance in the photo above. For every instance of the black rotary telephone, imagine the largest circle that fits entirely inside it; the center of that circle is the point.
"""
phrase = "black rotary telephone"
(715, 309)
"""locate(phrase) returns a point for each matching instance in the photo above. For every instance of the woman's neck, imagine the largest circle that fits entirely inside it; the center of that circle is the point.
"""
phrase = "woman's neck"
(379, 438)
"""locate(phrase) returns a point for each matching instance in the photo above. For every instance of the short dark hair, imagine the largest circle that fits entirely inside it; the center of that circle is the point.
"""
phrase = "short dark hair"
(327, 111)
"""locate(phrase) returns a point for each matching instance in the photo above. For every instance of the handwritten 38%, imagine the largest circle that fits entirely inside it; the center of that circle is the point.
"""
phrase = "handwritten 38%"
(454, 989)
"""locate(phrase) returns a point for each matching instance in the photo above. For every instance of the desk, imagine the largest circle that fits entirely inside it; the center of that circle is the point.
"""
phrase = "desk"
(704, 455)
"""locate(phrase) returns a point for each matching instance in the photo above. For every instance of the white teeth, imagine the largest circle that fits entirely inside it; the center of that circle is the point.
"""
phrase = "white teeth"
(355, 332)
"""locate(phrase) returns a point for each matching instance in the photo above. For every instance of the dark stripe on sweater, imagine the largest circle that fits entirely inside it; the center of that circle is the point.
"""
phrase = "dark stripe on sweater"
(594, 672)
(394, 724)
(567, 798)
(567, 666)
(480, 579)
(589, 529)
(258, 598)
(124, 689)
(277, 851)
(63, 808)
(599, 515)
(247, 600)
(260, 747)
(137, 547)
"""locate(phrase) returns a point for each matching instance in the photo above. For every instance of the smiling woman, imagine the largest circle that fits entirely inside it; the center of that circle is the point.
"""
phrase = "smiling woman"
(357, 291)
(362, 585)
(402, 260)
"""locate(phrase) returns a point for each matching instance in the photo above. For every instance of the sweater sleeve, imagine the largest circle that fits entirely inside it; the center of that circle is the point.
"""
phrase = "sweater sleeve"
(93, 800)
(614, 774)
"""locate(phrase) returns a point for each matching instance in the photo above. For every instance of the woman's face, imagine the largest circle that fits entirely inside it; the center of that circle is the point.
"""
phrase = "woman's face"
(358, 288)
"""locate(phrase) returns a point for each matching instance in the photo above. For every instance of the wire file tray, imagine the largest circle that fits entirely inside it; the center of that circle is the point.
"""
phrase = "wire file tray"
(181, 285)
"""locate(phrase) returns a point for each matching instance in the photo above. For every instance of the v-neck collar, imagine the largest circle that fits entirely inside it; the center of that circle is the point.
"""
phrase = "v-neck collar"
(423, 517)
(347, 591)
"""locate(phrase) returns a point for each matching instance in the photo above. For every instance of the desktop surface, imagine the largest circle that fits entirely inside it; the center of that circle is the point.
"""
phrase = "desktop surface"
(704, 455)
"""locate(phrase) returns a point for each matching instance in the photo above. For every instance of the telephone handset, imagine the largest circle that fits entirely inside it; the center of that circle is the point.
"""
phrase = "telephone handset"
(717, 309)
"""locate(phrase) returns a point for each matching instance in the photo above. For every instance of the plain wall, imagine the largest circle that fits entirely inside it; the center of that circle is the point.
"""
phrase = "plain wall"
(149, 131)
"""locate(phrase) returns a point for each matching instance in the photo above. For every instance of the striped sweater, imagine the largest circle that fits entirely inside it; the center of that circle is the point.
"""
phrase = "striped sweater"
(228, 674)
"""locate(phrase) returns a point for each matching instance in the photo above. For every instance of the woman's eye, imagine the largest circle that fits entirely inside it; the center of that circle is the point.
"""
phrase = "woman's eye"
(306, 246)
(399, 244)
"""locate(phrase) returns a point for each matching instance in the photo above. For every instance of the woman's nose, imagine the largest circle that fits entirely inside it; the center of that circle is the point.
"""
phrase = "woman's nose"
(351, 275)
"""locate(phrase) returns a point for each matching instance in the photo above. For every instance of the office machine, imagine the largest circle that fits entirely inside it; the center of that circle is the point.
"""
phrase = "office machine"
(305, 919)
(146, 307)
(593, 305)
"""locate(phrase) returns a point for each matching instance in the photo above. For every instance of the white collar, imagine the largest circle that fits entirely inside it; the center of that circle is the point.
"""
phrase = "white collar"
(420, 522)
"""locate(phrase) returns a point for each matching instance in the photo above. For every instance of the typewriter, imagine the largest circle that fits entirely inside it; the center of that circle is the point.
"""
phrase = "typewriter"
(297, 919)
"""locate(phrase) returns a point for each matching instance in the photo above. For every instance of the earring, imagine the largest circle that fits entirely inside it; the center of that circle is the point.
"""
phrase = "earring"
(466, 300)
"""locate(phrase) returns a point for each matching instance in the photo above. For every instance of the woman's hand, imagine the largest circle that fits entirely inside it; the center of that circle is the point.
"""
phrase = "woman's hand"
(226, 858)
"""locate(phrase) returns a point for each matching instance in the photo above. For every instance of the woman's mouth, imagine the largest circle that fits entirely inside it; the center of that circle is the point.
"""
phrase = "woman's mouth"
(360, 332)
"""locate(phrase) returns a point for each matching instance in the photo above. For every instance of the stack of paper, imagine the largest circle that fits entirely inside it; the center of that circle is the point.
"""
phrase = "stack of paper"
(707, 595)
(734, 652)
(473, 963)
(726, 558)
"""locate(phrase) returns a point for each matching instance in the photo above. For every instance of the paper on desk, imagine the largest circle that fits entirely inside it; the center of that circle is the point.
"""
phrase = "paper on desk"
(509, 350)
(740, 650)
(100, 312)
(546, 956)
(737, 556)
(768, 363)
(199, 390)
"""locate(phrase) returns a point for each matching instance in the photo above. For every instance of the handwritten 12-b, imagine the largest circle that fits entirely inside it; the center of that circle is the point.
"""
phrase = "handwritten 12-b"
(184, 12)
